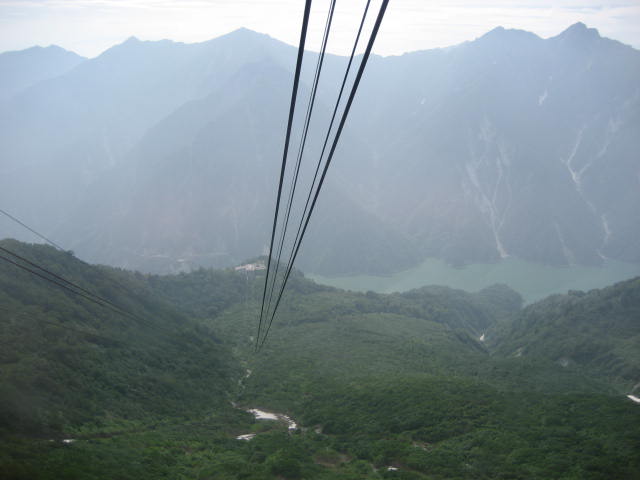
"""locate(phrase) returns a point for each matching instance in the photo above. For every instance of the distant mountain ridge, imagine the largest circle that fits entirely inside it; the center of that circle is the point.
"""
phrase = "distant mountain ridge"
(21, 69)
(163, 156)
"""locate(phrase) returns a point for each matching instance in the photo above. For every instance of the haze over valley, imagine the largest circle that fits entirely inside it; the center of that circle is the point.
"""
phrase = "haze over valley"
(161, 156)
(465, 306)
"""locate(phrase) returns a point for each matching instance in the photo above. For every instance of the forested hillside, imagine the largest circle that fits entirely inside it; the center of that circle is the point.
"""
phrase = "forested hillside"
(68, 362)
(447, 289)
(380, 386)
(597, 330)
(403, 380)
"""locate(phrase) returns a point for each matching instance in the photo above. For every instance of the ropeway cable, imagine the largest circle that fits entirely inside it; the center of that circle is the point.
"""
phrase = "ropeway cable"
(303, 140)
(72, 284)
(343, 119)
(60, 284)
(294, 93)
(55, 245)
(32, 230)
(326, 138)
(77, 290)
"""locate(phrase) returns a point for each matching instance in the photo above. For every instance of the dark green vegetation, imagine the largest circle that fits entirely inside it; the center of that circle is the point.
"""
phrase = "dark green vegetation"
(67, 362)
(375, 381)
(599, 330)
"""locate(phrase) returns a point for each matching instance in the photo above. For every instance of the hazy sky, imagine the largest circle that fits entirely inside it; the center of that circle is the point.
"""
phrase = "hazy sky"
(88, 27)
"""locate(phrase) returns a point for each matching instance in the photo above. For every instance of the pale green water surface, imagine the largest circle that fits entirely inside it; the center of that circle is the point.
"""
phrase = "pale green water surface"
(533, 281)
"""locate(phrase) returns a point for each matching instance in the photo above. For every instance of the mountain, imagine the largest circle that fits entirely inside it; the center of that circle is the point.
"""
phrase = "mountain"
(68, 362)
(64, 136)
(164, 156)
(214, 158)
(403, 380)
(374, 382)
(20, 70)
(517, 145)
(598, 331)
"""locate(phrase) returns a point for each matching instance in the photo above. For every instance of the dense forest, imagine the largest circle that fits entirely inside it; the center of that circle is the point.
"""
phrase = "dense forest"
(434, 383)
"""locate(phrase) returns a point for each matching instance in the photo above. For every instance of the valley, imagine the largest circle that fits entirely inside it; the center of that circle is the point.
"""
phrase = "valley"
(376, 384)
(161, 156)
(466, 305)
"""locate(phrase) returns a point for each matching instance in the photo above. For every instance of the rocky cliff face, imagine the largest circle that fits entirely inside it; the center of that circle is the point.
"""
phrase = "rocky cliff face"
(518, 144)
(164, 156)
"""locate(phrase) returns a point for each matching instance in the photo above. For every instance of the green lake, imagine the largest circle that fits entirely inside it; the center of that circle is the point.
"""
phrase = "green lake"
(533, 281)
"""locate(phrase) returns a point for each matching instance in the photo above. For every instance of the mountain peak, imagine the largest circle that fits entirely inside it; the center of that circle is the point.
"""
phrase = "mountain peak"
(131, 40)
(40, 50)
(578, 26)
(501, 34)
(579, 32)
(499, 30)
(244, 32)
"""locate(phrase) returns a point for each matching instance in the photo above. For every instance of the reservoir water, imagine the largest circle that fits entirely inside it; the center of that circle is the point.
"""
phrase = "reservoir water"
(532, 280)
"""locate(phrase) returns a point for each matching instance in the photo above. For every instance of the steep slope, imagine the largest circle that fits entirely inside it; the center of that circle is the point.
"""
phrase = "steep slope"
(64, 134)
(398, 381)
(598, 331)
(349, 335)
(509, 145)
(518, 146)
(20, 70)
(198, 190)
(67, 362)
(375, 381)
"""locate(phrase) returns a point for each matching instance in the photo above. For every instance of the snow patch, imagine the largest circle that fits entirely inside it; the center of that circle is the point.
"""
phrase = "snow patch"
(575, 174)
(242, 379)
(606, 228)
(542, 98)
(493, 197)
(612, 128)
(262, 415)
(578, 173)
(566, 251)
(607, 234)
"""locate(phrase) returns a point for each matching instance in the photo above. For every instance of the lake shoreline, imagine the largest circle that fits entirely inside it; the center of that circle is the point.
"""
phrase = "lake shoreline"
(531, 280)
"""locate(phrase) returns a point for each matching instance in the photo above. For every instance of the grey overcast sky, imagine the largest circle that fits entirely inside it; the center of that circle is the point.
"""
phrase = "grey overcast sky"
(89, 27)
